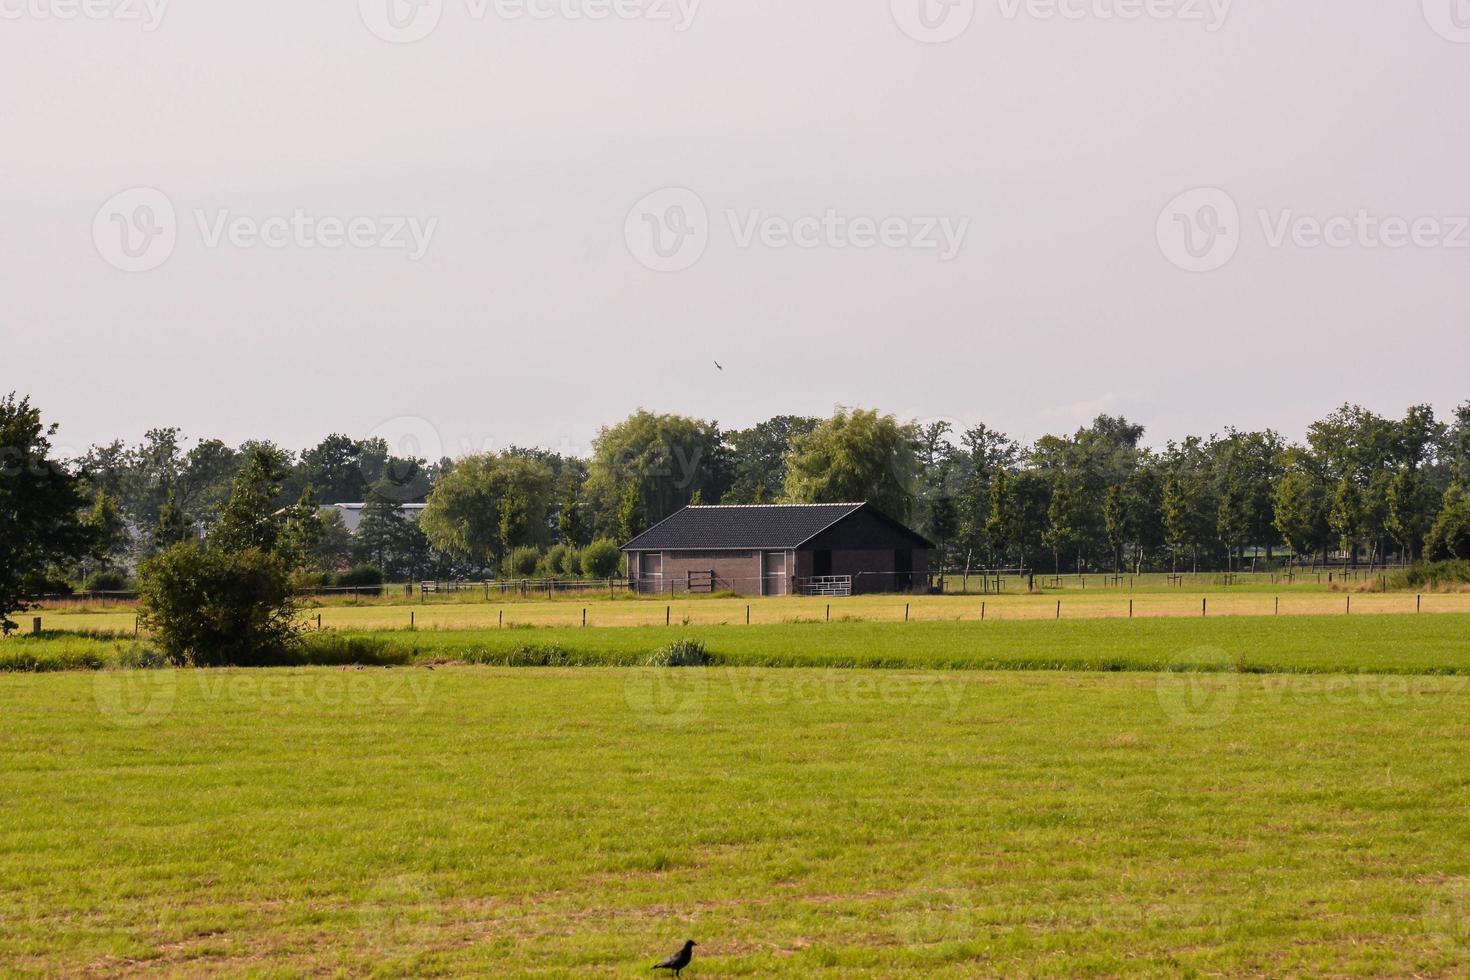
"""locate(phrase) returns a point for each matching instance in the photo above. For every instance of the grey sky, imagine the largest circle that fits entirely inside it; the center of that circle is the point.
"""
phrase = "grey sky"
(530, 317)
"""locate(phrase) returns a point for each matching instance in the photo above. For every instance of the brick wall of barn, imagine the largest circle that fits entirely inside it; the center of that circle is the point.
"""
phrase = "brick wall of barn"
(735, 571)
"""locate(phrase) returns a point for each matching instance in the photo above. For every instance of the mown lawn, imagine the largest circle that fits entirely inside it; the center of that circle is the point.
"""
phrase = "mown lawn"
(794, 822)
(1286, 644)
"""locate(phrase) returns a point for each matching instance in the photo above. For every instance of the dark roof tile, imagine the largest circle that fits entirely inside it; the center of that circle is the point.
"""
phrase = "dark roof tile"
(746, 527)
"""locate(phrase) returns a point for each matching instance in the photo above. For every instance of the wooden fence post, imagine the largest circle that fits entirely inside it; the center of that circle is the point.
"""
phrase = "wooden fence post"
(36, 626)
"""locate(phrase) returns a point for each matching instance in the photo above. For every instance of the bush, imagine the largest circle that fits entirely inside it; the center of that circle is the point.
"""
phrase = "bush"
(218, 608)
(601, 559)
(107, 582)
(571, 563)
(36, 586)
(554, 563)
(361, 576)
(522, 562)
(681, 653)
(1431, 575)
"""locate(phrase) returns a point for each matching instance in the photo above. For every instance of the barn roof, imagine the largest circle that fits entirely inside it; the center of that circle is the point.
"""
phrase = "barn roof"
(746, 527)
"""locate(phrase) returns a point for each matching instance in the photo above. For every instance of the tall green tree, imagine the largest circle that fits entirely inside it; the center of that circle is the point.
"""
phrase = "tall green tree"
(42, 508)
(664, 458)
(252, 518)
(488, 506)
(855, 456)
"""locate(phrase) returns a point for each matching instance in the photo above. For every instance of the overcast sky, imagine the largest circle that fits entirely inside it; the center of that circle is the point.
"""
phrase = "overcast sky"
(493, 224)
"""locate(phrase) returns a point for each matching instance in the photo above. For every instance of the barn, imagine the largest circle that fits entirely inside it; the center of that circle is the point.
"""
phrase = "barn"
(780, 549)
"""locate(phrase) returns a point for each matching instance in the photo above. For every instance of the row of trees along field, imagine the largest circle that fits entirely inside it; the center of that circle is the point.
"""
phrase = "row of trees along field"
(1361, 486)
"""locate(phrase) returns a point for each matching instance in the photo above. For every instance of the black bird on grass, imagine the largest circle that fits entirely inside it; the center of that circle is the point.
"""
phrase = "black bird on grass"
(679, 960)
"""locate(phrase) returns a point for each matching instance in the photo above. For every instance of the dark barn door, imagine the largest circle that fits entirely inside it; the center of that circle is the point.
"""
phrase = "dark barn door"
(821, 563)
(903, 567)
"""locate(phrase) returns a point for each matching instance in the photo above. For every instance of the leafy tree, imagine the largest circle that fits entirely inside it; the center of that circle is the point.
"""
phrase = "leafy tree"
(252, 517)
(1348, 515)
(1190, 508)
(1450, 535)
(335, 468)
(522, 562)
(856, 456)
(1060, 531)
(489, 505)
(758, 458)
(663, 459)
(41, 508)
(172, 527)
(1300, 508)
(303, 532)
(1005, 524)
(1411, 507)
(388, 539)
(601, 559)
(218, 606)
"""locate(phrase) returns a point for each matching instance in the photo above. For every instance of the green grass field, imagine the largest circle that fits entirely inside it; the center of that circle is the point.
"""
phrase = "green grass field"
(794, 822)
(1382, 644)
(1278, 795)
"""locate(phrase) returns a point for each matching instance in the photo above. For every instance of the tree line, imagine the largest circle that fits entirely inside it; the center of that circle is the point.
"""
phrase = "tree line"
(1359, 487)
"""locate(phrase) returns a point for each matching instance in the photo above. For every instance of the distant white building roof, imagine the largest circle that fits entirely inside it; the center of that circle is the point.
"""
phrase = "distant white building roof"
(352, 513)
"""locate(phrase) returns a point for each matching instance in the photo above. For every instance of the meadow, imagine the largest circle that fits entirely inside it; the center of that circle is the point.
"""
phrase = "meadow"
(470, 611)
(1172, 795)
(794, 822)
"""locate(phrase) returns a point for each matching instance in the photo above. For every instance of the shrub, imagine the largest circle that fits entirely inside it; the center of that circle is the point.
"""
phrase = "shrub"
(1431, 575)
(571, 563)
(107, 582)
(361, 576)
(217, 608)
(601, 559)
(554, 563)
(522, 562)
(681, 653)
